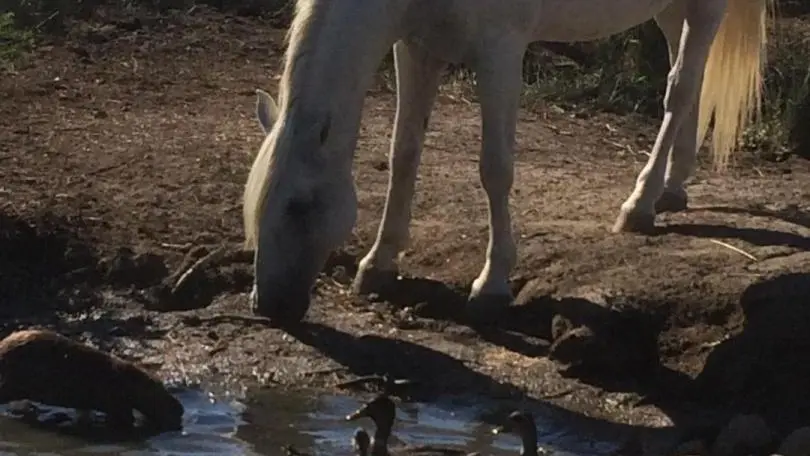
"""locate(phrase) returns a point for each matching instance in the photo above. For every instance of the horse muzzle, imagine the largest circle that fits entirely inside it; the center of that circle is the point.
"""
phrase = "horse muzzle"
(284, 304)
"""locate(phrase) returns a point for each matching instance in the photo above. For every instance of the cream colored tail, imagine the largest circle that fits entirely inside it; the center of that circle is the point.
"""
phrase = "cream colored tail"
(732, 81)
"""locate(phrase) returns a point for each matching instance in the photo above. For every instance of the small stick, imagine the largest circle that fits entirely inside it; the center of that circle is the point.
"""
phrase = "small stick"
(384, 381)
(203, 262)
(326, 371)
(185, 246)
(735, 249)
(104, 169)
(230, 318)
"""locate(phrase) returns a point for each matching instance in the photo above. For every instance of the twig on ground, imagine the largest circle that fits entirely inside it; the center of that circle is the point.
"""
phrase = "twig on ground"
(326, 371)
(385, 382)
(185, 246)
(226, 318)
(104, 169)
(559, 394)
(735, 249)
(220, 346)
(200, 264)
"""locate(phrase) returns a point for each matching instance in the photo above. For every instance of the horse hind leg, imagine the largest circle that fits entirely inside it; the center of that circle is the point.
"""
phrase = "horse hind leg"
(682, 156)
(703, 17)
(418, 77)
(498, 72)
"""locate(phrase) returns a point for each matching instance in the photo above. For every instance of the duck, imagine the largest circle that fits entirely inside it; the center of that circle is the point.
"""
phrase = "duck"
(361, 442)
(522, 424)
(382, 411)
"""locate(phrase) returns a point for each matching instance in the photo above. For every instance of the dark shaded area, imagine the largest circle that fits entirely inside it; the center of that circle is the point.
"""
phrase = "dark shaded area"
(370, 355)
(620, 344)
(792, 8)
(756, 236)
(771, 353)
(788, 214)
(417, 366)
(614, 345)
(50, 275)
(45, 265)
(27, 415)
(799, 133)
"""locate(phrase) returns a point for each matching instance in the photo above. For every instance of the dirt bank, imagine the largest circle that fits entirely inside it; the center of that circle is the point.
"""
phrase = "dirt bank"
(123, 152)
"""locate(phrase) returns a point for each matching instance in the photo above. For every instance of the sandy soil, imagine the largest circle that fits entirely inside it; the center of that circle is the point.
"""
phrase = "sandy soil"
(123, 152)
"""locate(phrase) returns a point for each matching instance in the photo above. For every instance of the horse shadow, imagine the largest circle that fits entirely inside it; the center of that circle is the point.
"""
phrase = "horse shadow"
(764, 369)
(788, 214)
(44, 267)
(620, 350)
(48, 266)
(427, 374)
(529, 326)
(755, 236)
(48, 275)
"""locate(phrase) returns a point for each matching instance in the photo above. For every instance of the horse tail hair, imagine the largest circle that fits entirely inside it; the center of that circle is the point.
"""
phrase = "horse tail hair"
(732, 81)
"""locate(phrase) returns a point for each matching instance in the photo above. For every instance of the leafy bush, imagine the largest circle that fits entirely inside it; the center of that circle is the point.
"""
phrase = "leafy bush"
(14, 41)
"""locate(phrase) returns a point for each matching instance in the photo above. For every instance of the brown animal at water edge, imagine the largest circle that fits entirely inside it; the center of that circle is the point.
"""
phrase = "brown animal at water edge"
(43, 366)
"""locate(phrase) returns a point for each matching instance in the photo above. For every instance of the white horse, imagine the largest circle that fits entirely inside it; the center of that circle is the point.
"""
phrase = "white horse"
(300, 201)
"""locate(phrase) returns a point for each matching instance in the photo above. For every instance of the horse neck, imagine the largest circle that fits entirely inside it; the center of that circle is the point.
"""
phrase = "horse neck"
(334, 50)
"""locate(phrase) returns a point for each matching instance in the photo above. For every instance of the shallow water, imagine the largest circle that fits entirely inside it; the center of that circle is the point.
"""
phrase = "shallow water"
(225, 426)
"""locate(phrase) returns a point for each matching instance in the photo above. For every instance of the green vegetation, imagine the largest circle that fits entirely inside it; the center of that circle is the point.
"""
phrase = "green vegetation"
(14, 41)
(627, 74)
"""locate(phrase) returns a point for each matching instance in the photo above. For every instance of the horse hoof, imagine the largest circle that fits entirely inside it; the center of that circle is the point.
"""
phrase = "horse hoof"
(487, 308)
(671, 202)
(634, 222)
(373, 280)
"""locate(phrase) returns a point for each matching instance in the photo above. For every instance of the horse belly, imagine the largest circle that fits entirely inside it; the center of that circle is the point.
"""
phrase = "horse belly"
(585, 20)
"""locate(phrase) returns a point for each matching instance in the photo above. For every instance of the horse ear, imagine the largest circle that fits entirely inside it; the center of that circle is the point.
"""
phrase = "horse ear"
(266, 110)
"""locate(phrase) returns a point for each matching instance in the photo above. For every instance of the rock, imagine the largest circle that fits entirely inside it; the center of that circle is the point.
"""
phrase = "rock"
(797, 443)
(744, 435)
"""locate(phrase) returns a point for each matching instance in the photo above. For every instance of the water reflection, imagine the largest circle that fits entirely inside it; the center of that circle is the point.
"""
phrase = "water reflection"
(225, 426)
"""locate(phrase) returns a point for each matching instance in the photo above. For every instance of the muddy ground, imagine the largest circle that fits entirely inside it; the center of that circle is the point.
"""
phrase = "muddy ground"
(123, 153)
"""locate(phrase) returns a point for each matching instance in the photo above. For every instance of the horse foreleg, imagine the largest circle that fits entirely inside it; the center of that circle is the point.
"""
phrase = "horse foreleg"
(418, 76)
(498, 72)
(681, 162)
(703, 17)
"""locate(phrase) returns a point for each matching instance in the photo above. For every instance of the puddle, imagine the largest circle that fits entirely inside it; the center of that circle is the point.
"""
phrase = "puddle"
(227, 427)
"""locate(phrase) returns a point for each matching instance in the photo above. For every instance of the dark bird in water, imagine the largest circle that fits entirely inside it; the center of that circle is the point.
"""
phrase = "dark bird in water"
(382, 411)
